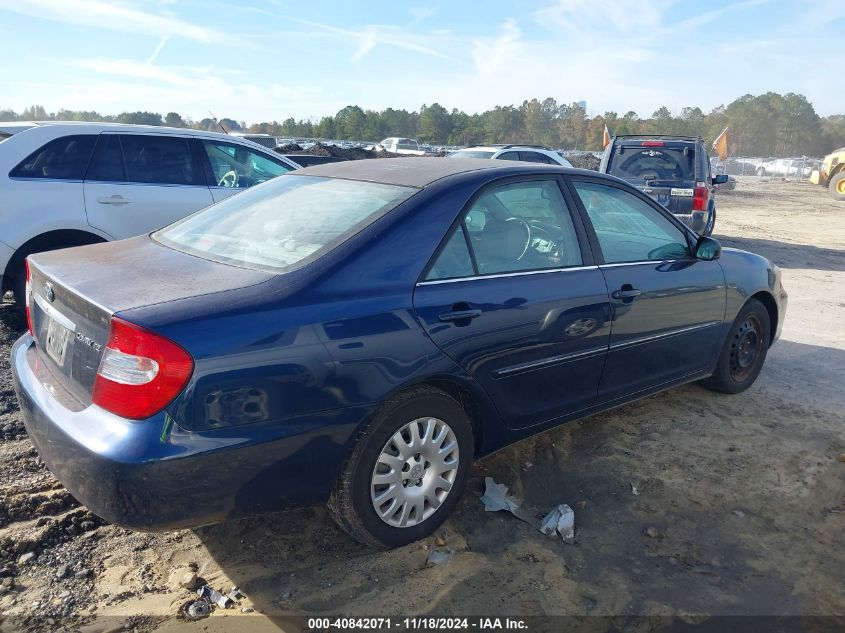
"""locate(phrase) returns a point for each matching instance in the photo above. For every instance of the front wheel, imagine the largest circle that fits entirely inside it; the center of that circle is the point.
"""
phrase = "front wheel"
(407, 471)
(744, 351)
(837, 186)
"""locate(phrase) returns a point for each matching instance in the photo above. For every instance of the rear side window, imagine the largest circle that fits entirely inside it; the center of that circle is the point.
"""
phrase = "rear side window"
(63, 158)
(534, 157)
(107, 164)
(653, 163)
(163, 160)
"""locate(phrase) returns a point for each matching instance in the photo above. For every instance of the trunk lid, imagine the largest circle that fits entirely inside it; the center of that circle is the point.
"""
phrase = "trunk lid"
(76, 291)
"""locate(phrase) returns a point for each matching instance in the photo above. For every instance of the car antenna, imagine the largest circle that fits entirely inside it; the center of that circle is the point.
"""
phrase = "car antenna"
(219, 124)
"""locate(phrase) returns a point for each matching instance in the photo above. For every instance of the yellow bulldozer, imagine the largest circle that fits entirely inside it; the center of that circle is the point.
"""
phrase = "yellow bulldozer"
(832, 174)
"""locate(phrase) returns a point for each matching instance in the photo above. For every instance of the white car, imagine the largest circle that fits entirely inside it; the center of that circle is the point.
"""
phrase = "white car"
(528, 153)
(68, 184)
(786, 167)
(397, 145)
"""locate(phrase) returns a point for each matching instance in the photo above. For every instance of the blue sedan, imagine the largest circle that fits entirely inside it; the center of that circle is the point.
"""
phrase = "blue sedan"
(361, 331)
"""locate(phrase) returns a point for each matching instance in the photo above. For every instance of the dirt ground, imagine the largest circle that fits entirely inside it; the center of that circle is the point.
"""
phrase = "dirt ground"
(740, 506)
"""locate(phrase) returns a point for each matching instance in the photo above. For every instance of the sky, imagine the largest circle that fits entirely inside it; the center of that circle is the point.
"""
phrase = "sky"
(266, 60)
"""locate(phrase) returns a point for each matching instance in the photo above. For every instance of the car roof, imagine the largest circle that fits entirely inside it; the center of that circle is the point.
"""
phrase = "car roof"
(98, 126)
(421, 171)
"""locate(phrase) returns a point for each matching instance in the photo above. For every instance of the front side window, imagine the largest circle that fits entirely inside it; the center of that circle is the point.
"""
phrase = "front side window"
(238, 167)
(107, 163)
(63, 158)
(515, 227)
(629, 229)
(285, 224)
(164, 160)
(463, 153)
(534, 157)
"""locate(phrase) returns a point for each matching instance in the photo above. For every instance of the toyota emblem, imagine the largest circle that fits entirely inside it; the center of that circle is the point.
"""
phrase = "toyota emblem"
(48, 292)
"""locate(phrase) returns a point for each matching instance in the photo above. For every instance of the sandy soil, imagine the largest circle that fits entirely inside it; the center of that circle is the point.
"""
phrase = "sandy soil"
(745, 495)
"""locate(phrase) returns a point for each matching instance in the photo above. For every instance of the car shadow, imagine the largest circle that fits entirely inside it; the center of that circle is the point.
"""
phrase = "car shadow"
(710, 473)
(788, 255)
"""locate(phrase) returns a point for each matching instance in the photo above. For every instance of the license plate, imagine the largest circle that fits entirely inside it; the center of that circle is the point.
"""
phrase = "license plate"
(682, 192)
(57, 339)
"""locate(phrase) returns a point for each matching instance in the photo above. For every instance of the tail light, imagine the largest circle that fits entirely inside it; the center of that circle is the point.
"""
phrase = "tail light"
(27, 291)
(699, 197)
(140, 372)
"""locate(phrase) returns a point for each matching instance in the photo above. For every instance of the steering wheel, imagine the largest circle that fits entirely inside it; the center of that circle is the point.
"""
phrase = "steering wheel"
(229, 179)
(528, 235)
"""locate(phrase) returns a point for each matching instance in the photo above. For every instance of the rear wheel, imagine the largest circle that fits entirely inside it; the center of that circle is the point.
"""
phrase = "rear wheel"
(837, 185)
(407, 471)
(711, 224)
(744, 351)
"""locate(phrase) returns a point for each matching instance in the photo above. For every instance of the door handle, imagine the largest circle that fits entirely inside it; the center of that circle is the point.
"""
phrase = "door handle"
(116, 200)
(626, 293)
(459, 315)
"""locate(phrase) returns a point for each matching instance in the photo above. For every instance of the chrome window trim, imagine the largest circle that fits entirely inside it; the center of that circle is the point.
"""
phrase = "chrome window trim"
(123, 183)
(662, 335)
(641, 262)
(520, 273)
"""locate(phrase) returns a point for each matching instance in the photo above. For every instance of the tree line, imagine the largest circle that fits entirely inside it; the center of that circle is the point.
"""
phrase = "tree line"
(764, 125)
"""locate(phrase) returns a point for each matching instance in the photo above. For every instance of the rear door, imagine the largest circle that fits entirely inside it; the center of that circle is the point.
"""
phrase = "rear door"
(668, 307)
(514, 298)
(137, 183)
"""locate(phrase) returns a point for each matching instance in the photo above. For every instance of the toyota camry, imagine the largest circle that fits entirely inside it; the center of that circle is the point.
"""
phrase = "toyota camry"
(360, 332)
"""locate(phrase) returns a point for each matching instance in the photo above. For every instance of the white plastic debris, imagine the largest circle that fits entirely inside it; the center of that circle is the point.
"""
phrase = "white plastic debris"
(439, 556)
(560, 520)
(496, 497)
(634, 490)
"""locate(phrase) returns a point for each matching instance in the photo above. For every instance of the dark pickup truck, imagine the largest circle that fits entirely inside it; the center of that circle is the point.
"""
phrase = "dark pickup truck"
(674, 170)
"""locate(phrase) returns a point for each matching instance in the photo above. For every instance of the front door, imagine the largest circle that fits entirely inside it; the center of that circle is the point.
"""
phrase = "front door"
(137, 183)
(512, 298)
(668, 307)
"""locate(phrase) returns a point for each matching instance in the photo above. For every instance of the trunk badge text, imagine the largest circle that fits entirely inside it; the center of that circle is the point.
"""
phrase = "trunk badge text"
(87, 340)
(49, 293)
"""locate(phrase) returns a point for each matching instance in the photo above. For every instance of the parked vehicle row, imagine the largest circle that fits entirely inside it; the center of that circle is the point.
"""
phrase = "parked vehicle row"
(526, 153)
(361, 331)
(68, 184)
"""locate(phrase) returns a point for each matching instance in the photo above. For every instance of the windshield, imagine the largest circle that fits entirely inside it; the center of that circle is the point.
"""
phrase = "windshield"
(653, 163)
(284, 223)
(470, 154)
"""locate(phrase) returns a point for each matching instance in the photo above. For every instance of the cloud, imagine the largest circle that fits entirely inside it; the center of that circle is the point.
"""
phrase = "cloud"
(368, 37)
(157, 50)
(116, 17)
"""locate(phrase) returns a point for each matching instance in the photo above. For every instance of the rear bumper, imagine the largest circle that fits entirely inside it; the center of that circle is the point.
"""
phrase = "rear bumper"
(151, 475)
(696, 220)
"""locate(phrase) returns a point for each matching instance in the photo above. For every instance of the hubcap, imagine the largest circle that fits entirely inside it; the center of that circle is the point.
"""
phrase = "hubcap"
(840, 186)
(414, 472)
(745, 348)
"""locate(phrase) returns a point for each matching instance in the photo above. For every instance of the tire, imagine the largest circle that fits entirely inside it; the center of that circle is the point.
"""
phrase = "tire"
(352, 503)
(711, 224)
(761, 171)
(744, 350)
(837, 186)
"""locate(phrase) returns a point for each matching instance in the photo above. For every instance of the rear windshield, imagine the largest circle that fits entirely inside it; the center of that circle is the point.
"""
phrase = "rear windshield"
(653, 163)
(470, 154)
(284, 223)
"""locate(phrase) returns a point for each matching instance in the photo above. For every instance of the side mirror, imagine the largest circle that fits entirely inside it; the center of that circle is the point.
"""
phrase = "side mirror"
(708, 249)
(721, 179)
